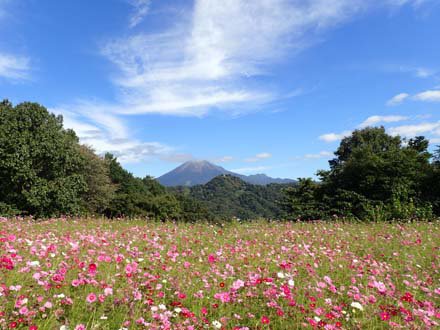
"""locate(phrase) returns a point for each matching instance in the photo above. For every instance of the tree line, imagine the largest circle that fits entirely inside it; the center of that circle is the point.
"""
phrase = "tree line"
(46, 172)
(374, 176)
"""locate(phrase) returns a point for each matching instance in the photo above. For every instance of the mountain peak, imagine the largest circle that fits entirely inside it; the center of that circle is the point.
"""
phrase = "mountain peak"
(195, 172)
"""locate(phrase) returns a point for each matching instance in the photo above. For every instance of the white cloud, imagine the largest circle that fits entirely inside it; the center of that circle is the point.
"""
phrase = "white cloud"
(246, 170)
(223, 159)
(141, 8)
(205, 60)
(333, 137)
(416, 129)
(258, 157)
(105, 132)
(14, 67)
(428, 96)
(322, 154)
(374, 120)
(397, 99)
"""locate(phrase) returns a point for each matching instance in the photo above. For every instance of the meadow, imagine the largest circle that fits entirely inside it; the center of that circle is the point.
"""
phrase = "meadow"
(131, 274)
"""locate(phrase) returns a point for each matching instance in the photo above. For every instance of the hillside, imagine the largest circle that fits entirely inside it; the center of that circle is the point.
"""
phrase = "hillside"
(227, 196)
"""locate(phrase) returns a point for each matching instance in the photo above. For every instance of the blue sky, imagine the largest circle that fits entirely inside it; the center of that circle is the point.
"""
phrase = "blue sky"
(263, 86)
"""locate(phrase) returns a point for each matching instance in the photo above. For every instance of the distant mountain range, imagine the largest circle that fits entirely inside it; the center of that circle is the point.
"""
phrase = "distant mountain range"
(201, 172)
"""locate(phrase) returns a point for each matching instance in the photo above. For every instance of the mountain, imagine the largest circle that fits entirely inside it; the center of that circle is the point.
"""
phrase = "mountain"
(200, 172)
(227, 196)
(263, 179)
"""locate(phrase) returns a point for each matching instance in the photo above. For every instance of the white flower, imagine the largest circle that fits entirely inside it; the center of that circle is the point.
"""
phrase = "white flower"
(35, 263)
(317, 319)
(357, 305)
(162, 307)
(177, 309)
(154, 309)
(103, 317)
(280, 275)
(216, 324)
(291, 283)
(64, 327)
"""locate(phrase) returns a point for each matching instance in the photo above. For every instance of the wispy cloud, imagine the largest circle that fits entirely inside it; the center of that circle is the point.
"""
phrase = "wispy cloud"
(322, 154)
(223, 159)
(397, 99)
(432, 95)
(258, 157)
(247, 170)
(105, 132)
(204, 62)
(428, 96)
(141, 9)
(416, 129)
(374, 120)
(333, 137)
(14, 67)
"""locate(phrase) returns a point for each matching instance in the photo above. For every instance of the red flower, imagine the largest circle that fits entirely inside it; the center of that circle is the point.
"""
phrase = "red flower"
(408, 297)
(385, 316)
(265, 320)
(33, 327)
(6, 263)
(92, 268)
(12, 325)
(222, 284)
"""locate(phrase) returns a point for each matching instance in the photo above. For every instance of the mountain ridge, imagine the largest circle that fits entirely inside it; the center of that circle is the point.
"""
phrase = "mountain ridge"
(198, 172)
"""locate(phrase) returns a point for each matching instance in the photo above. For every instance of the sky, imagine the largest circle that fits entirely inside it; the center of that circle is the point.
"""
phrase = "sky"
(262, 86)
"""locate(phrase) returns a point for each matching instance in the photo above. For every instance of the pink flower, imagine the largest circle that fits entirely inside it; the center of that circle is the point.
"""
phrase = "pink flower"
(265, 320)
(80, 327)
(91, 298)
(108, 291)
(76, 283)
(23, 310)
(237, 285)
(385, 316)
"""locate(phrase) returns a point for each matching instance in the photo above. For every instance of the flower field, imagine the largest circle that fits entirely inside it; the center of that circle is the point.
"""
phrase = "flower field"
(98, 274)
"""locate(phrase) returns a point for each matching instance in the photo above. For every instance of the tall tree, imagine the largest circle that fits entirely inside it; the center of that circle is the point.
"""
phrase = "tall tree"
(100, 189)
(40, 163)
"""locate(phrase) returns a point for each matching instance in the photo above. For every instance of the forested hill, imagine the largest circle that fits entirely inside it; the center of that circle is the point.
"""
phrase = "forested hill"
(227, 196)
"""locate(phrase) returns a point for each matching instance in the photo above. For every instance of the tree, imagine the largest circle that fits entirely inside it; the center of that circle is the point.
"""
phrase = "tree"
(40, 162)
(377, 166)
(302, 201)
(371, 171)
(100, 189)
(139, 197)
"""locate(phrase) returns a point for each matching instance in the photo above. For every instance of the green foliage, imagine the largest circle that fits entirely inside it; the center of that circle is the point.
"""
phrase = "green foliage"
(100, 189)
(226, 197)
(40, 163)
(139, 197)
(374, 176)
(301, 201)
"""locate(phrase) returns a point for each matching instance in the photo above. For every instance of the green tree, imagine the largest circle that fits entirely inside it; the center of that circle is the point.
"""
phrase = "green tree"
(40, 163)
(139, 197)
(100, 189)
(303, 201)
(374, 175)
